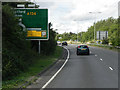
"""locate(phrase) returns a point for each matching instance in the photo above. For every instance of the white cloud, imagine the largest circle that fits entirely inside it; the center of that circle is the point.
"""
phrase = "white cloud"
(62, 13)
(83, 8)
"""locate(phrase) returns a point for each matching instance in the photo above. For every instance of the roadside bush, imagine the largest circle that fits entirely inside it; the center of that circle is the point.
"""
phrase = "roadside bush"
(105, 41)
(48, 47)
(16, 51)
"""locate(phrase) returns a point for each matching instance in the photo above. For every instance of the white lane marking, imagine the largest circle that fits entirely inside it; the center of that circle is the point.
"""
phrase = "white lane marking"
(111, 68)
(96, 55)
(58, 70)
(101, 59)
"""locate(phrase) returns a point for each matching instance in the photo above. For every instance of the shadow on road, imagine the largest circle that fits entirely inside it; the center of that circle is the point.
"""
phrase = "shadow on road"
(85, 55)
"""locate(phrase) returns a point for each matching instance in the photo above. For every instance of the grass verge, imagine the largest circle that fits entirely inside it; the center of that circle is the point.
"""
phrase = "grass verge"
(42, 62)
(106, 47)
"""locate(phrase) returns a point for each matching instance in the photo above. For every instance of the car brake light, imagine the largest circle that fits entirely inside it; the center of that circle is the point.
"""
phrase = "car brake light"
(78, 46)
(87, 46)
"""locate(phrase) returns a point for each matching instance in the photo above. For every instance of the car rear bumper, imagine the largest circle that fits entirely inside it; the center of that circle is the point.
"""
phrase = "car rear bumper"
(82, 51)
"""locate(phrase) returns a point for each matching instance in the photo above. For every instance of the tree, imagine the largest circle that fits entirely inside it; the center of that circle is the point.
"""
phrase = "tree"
(48, 47)
(110, 25)
(16, 52)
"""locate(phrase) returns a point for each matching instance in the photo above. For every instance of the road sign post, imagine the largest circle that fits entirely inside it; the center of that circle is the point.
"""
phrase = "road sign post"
(101, 35)
(39, 46)
(35, 21)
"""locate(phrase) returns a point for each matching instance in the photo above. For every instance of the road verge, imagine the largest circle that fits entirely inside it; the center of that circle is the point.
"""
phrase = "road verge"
(58, 70)
(47, 73)
(116, 48)
(40, 65)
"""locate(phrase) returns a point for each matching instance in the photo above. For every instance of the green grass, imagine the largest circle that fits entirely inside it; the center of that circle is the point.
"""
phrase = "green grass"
(106, 47)
(42, 62)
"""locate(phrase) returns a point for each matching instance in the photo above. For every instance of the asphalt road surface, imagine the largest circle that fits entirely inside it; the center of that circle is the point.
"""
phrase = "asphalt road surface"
(97, 70)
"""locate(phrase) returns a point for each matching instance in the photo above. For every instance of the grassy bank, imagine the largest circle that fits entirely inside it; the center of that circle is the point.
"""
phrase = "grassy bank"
(42, 62)
(105, 46)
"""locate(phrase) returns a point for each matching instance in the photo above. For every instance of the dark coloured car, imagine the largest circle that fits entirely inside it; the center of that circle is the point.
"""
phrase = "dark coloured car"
(64, 43)
(82, 49)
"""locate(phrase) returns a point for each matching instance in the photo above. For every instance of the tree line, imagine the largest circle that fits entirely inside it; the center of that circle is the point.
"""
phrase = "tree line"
(111, 25)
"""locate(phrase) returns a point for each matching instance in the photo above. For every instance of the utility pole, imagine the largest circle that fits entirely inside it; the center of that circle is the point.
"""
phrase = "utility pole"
(77, 29)
(94, 22)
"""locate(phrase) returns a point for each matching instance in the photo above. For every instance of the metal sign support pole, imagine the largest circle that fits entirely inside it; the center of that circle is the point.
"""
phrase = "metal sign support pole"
(39, 46)
(94, 31)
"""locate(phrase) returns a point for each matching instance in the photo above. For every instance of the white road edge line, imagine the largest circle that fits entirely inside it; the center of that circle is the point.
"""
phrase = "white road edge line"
(58, 70)
(111, 68)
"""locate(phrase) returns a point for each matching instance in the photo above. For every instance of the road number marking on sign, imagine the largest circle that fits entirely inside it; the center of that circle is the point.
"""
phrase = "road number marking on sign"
(34, 33)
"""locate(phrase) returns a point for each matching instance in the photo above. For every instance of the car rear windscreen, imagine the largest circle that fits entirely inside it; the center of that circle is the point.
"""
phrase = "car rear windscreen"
(84, 46)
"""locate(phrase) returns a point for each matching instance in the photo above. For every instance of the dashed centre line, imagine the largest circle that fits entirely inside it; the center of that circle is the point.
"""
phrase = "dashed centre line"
(96, 55)
(101, 59)
(110, 68)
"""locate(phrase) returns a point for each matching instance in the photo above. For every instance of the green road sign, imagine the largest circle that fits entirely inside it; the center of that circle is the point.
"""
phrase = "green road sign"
(36, 22)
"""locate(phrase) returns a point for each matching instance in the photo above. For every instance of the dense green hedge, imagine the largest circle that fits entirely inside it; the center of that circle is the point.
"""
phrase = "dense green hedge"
(48, 47)
(17, 53)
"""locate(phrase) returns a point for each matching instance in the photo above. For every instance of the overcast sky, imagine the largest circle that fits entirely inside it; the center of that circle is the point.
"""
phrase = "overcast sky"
(74, 16)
